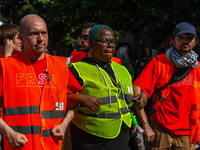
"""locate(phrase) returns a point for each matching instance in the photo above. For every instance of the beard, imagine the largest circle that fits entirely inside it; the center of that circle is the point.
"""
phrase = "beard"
(185, 49)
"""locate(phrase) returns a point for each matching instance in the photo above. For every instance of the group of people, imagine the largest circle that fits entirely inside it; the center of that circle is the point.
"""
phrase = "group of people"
(42, 95)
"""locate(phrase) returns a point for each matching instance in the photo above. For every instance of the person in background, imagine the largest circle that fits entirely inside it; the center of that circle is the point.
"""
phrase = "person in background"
(176, 114)
(84, 50)
(123, 54)
(85, 36)
(10, 42)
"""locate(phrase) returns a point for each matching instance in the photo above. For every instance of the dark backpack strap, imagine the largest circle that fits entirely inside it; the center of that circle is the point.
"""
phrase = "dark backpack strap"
(179, 75)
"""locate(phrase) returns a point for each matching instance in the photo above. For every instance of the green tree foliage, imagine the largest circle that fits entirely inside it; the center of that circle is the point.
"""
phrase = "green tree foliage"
(65, 18)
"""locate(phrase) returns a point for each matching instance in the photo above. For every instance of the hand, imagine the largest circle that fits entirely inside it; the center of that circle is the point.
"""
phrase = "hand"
(141, 99)
(198, 143)
(149, 134)
(58, 132)
(16, 139)
(8, 47)
(91, 102)
(137, 98)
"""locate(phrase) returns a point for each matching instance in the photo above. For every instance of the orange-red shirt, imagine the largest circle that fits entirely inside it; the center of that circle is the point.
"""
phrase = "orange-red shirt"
(173, 113)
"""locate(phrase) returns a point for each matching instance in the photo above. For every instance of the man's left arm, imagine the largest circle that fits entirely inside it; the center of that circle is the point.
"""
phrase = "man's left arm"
(149, 134)
(73, 86)
(58, 132)
(140, 96)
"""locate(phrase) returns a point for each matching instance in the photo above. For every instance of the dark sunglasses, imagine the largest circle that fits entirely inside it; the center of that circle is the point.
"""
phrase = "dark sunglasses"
(85, 37)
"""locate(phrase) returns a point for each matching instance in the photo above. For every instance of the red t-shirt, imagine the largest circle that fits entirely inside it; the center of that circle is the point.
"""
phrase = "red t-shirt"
(77, 56)
(15, 52)
(173, 113)
(39, 67)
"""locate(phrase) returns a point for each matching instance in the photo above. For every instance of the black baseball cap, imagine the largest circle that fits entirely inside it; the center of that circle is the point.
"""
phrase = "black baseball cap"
(183, 28)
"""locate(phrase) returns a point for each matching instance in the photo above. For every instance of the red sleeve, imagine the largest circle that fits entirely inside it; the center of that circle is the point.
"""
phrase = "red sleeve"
(1, 81)
(147, 79)
(77, 56)
(73, 86)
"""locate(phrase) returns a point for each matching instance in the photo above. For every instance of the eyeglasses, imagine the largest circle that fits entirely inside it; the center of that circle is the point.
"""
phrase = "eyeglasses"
(107, 42)
(85, 37)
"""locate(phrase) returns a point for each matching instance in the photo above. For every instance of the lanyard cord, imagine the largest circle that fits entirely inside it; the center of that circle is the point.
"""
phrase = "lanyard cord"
(106, 83)
(120, 86)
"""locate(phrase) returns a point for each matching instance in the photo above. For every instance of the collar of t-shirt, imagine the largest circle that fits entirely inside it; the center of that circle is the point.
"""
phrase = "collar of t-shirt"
(39, 67)
(15, 52)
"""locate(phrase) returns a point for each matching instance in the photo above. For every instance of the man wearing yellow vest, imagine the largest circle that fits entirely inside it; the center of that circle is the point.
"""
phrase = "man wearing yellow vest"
(108, 127)
(33, 91)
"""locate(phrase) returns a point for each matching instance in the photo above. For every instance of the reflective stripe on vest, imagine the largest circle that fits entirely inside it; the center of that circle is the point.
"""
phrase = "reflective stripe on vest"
(129, 98)
(21, 110)
(105, 116)
(27, 129)
(105, 100)
(106, 121)
(32, 130)
(53, 114)
(46, 133)
(108, 116)
(33, 110)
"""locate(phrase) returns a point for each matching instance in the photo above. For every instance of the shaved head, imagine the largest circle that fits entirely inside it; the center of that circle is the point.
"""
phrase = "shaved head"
(27, 20)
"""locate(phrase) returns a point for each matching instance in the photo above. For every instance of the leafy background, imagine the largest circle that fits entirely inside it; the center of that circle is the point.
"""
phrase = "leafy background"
(65, 18)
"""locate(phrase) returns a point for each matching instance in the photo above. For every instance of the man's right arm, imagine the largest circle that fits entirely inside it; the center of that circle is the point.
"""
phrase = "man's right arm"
(140, 96)
(15, 139)
(149, 134)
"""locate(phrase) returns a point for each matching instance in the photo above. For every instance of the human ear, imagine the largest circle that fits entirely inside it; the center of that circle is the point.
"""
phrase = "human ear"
(195, 42)
(91, 46)
(20, 37)
(173, 41)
